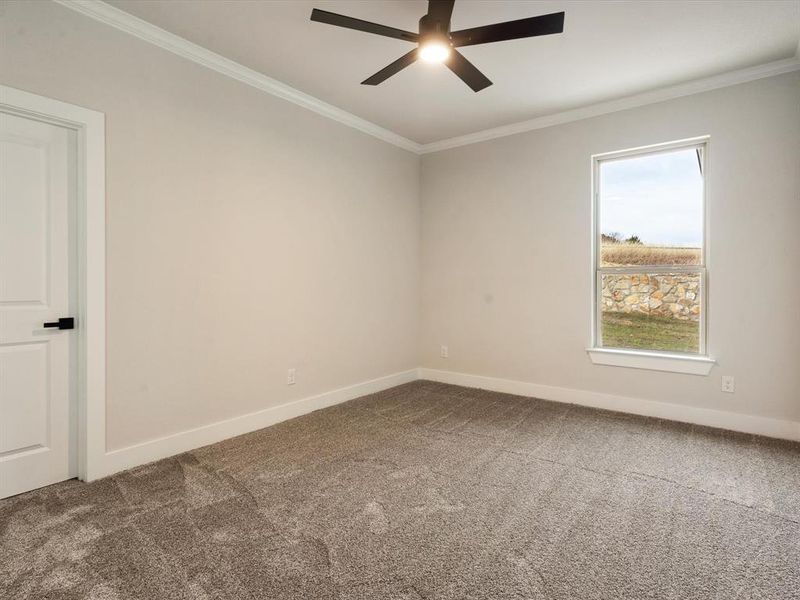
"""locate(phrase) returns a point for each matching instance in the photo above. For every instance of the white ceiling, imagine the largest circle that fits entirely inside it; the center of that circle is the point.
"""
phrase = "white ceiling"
(608, 50)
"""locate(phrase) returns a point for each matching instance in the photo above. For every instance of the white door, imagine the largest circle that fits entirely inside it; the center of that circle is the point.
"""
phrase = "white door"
(37, 420)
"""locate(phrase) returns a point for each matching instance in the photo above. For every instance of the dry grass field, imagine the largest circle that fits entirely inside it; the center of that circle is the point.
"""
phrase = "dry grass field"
(639, 254)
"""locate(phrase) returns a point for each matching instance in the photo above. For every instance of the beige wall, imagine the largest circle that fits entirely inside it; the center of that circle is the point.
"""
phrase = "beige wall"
(506, 243)
(245, 235)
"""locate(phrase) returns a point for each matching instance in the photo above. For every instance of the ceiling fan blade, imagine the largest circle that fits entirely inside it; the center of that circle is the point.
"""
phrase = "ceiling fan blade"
(510, 30)
(468, 72)
(387, 71)
(442, 11)
(323, 16)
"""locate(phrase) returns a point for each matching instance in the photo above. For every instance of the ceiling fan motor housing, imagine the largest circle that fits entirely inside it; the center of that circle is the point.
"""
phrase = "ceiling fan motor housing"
(432, 29)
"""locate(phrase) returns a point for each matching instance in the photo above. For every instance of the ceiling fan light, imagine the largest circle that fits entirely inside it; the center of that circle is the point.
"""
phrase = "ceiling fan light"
(434, 52)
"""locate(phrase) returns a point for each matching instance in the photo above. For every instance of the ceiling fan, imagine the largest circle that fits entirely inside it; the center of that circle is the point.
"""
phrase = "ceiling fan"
(436, 43)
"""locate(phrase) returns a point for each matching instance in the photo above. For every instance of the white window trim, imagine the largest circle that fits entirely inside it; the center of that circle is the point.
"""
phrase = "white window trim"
(693, 364)
(690, 364)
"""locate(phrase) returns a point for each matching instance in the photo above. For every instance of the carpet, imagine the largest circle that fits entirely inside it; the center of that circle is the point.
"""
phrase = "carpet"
(426, 491)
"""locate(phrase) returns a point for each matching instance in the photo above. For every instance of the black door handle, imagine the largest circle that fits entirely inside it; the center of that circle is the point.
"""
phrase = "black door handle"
(62, 323)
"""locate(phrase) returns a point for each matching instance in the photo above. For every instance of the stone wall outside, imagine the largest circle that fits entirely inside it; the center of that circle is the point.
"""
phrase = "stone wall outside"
(668, 295)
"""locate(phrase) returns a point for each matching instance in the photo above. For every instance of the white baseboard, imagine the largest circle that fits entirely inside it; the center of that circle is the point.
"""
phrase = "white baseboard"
(139, 454)
(788, 430)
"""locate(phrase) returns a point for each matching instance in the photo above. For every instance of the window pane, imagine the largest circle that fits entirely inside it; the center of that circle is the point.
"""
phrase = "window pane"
(651, 311)
(651, 209)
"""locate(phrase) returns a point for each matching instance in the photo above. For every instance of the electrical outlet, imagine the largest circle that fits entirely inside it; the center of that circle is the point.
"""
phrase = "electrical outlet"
(443, 352)
(728, 384)
(290, 378)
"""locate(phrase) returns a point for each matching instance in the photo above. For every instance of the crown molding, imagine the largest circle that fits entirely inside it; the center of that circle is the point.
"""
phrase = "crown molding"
(695, 86)
(119, 19)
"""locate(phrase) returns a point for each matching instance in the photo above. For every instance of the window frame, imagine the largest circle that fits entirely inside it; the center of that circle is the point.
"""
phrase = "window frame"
(695, 363)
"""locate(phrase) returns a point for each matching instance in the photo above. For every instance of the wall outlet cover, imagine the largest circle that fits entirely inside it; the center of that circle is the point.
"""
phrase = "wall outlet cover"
(728, 384)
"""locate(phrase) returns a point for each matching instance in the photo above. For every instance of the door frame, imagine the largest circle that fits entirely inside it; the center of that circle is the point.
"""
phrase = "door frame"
(90, 234)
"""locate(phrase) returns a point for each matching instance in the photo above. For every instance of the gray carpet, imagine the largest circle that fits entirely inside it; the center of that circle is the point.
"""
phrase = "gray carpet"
(426, 491)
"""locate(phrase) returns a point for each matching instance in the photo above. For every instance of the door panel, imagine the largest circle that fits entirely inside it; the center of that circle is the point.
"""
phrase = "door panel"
(23, 221)
(25, 398)
(37, 441)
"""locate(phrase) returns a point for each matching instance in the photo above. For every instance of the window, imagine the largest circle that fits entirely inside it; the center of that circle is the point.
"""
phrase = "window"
(649, 251)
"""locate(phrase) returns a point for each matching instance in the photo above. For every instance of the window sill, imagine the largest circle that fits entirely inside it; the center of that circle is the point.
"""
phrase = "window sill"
(654, 361)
